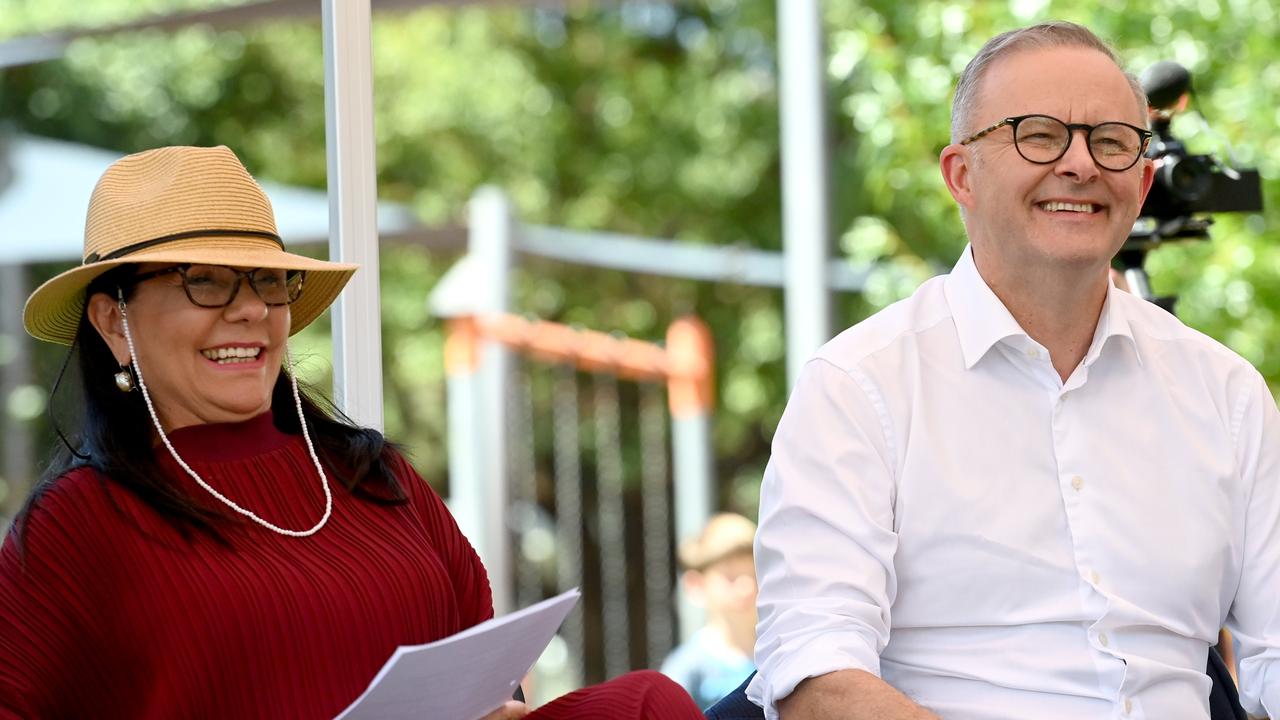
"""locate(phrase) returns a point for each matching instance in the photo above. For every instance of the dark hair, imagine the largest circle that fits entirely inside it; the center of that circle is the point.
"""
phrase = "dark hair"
(110, 439)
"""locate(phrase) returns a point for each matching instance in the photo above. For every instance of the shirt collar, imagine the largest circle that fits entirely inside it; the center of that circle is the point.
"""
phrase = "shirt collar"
(1113, 322)
(981, 320)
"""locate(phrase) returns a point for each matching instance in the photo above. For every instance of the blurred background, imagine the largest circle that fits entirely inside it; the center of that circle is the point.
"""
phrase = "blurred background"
(655, 119)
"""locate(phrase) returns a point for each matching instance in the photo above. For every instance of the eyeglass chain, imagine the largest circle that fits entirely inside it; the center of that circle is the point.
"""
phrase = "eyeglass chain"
(302, 421)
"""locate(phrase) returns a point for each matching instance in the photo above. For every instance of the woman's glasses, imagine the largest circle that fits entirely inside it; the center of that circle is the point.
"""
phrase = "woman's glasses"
(215, 286)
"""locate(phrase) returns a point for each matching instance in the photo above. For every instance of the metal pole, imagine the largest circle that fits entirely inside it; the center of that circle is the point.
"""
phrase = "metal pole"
(805, 193)
(466, 456)
(491, 230)
(18, 467)
(691, 465)
(1139, 283)
(690, 392)
(353, 197)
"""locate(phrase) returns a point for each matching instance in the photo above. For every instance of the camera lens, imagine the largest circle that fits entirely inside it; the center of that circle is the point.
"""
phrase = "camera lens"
(1187, 178)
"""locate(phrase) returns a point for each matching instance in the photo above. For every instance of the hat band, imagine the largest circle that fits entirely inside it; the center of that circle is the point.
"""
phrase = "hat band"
(138, 246)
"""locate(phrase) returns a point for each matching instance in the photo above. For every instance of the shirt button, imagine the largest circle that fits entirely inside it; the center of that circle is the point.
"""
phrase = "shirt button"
(1077, 482)
(1128, 706)
(1093, 575)
(1102, 638)
(1033, 353)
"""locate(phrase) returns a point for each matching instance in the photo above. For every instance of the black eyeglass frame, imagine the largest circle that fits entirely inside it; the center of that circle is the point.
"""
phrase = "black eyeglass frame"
(235, 289)
(1144, 138)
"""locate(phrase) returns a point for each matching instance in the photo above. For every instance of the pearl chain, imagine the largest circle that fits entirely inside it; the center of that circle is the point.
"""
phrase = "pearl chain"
(306, 436)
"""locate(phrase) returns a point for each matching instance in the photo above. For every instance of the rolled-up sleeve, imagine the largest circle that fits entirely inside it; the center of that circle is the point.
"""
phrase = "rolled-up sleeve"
(826, 541)
(1255, 614)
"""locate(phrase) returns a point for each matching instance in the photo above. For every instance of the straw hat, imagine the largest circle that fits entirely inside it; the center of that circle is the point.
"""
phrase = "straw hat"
(725, 535)
(178, 205)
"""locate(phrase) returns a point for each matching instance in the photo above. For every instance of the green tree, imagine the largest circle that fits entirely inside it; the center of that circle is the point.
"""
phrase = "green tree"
(661, 120)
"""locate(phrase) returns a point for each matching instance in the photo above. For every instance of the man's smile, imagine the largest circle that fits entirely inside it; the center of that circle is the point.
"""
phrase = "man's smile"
(1058, 206)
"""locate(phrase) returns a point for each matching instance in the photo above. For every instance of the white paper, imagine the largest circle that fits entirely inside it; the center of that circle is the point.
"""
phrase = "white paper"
(463, 676)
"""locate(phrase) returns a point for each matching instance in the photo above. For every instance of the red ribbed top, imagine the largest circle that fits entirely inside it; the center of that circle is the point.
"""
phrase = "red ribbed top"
(114, 615)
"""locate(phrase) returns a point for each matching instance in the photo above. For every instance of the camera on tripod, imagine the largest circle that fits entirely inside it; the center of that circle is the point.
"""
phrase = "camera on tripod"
(1187, 187)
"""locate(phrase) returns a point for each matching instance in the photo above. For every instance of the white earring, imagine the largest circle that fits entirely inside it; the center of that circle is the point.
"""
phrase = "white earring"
(124, 379)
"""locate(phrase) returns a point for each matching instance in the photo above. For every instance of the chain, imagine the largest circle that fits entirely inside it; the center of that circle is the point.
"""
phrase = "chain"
(611, 516)
(657, 524)
(523, 463)
(568, 472)
(302, 421)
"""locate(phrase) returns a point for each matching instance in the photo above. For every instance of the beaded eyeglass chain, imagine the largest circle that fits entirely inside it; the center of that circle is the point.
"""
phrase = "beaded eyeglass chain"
(302, 421)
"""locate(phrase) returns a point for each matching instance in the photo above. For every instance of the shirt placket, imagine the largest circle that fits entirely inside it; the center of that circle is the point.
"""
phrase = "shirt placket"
(1081, 493)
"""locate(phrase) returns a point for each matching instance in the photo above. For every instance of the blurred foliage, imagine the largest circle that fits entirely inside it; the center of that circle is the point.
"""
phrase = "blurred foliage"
(655, 119)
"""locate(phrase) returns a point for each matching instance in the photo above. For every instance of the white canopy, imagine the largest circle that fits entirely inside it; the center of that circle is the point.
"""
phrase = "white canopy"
(44, 195)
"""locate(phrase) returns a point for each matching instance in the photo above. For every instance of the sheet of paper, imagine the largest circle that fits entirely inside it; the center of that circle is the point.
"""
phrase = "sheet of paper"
(466, 675)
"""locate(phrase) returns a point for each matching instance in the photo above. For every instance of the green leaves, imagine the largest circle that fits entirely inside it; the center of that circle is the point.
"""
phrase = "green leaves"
(658, 120)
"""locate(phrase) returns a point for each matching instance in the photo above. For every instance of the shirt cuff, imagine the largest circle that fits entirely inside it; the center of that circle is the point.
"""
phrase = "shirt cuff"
(784, 669)
(1270, 696)
(1260, 687)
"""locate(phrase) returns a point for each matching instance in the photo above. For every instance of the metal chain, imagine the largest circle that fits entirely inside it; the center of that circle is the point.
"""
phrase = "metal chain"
(611, 518)
(568, 482)
(521, 459)
(656, 514)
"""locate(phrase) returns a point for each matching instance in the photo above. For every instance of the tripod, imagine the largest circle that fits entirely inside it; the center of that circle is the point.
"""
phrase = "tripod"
(1135, 274)
(1149, 233)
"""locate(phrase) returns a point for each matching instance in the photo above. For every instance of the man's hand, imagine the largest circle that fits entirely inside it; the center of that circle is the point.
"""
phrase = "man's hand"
(510, 710)
(849, 695)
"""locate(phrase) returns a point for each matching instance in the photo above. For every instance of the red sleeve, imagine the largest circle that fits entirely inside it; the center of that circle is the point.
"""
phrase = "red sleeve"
(46, 610)
(470, 580)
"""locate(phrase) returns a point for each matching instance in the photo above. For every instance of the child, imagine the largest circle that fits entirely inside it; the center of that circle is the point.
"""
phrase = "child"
(720, 576)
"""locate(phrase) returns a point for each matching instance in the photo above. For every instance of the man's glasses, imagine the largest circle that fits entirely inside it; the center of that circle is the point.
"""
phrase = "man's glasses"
(215, 286)
(1042, 139)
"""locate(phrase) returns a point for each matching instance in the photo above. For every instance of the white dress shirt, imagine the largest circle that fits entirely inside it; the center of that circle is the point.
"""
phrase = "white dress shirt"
(943, 511)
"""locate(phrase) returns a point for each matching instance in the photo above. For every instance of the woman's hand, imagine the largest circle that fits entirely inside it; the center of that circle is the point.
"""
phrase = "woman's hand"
(510, 710)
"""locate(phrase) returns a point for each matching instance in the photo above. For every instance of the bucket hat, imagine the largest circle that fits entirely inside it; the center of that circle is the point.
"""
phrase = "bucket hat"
(178, 205)
(725, 535)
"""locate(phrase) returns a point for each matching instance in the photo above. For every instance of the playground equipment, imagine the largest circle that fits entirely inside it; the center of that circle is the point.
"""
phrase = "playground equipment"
(351, 154)
(610, 536)
(480, 463)
(494, 492)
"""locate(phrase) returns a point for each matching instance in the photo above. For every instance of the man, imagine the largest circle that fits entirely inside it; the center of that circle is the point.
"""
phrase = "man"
(1022, 493)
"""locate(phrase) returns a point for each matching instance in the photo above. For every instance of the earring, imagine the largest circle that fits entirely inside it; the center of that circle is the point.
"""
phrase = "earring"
(124, 379)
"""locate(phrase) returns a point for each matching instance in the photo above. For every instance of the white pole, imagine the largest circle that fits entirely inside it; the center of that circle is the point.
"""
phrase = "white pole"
(694, 493)
(18, 466)
(353, 197)
(492, 225)
(805, 193)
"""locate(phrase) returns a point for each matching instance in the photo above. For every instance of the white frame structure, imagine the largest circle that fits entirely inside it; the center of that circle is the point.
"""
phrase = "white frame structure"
(804, 271)
(351, 149)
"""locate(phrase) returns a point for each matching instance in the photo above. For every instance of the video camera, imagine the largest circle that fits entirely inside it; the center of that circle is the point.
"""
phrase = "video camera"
(1185, 185)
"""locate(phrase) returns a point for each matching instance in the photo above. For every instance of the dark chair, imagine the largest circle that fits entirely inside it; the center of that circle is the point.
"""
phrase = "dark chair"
(1224, 701)
(736, 706)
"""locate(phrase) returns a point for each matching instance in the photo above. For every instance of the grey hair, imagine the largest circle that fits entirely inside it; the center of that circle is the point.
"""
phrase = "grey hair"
(1046, 35)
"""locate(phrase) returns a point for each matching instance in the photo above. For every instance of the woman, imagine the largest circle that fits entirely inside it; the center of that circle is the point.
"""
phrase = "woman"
(217, 544)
